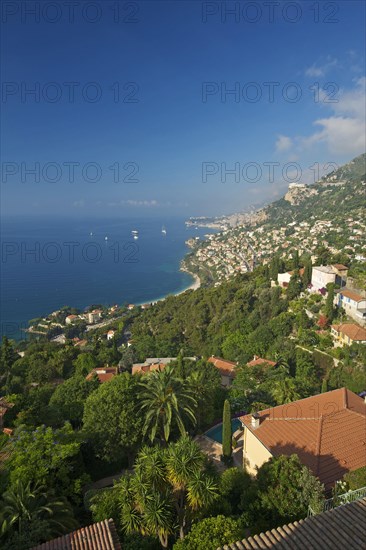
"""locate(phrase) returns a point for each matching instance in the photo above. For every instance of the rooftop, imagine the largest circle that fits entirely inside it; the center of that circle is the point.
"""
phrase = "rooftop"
(352, 295)
(145, 368)
(324, 268)
(104, 374)
(260, 361)
(353, 331)
(327, 432)
(226, 368)
(98, 536)
(343, 527)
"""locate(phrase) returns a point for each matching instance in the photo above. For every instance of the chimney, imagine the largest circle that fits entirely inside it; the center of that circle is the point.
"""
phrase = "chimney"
(255, 420)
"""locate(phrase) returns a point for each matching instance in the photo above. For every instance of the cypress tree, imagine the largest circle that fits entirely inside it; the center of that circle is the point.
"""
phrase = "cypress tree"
(324, 385)
(329, 308)
(226, 431)
(307, 273)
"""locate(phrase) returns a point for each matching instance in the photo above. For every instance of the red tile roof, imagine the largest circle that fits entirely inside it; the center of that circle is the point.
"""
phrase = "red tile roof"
(259, 361)
(98, 536)
(353, 331)
(326, 431)
(104, 374)
(145, 369)
(352, 295)
(226, 368)
(340, 267)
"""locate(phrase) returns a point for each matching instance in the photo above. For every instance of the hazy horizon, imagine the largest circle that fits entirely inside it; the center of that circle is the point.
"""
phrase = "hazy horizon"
(176, 108)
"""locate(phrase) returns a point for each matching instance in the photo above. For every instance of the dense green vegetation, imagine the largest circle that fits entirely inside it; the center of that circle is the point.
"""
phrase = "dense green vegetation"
(66, 431)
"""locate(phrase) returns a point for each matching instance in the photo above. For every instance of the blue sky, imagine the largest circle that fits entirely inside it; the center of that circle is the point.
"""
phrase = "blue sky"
(169, 130)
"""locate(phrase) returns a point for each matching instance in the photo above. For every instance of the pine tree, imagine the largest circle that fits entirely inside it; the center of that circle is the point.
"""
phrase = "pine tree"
(226, 431)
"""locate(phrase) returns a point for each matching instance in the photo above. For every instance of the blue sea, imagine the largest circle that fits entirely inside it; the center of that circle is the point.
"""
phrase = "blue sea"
(49, 264)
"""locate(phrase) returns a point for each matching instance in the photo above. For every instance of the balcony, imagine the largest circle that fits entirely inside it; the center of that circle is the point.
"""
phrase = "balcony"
(339, 500)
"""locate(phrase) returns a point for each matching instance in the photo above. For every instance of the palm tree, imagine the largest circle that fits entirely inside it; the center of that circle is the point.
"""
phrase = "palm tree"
(284, 391)
(167, 487)
(166, 400)
(23, 504)
(192, 487)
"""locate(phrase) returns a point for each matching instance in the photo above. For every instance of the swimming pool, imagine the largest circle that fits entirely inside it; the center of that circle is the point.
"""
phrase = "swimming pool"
(215, 433)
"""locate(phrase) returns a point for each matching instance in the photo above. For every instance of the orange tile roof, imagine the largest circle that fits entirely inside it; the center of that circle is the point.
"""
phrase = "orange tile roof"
(326, 431)
(261, 361)
(98, 536)
(145, 369)
(301, 271)
(352, 295)
(104, 374)
(353, 331)
(340, 267)
(226, 368)
(81, 343)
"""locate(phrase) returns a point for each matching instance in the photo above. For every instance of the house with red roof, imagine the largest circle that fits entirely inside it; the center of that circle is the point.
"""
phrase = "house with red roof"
(104, 374)
(260, 361)
(354, 304)
(226, 369)
(348, 334)
(326, 431)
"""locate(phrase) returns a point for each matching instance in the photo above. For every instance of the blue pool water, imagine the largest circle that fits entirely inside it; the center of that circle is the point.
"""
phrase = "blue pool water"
(215, 433)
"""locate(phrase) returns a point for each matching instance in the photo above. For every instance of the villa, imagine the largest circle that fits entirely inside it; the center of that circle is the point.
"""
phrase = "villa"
(327, 432)
(155, 363)
(260, 361)
(348, 334)
(104, 374)
(226, 369)
(353, 303)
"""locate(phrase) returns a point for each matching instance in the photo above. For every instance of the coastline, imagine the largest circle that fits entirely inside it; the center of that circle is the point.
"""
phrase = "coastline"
(196, 282)
(19, 310)
(193, 286)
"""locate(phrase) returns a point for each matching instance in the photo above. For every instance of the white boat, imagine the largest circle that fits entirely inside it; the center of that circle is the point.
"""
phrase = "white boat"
(134, 232)
(106, 238)
(135, 236)
(163, 230)
(91, 233)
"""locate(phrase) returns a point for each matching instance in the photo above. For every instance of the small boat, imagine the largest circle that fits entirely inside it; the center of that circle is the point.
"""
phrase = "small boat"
(135, 237)
(106, 238)
(163, 230)
(134, 232)
(91, 233)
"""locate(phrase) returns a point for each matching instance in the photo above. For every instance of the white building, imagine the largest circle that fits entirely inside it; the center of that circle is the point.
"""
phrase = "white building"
(353, 303)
